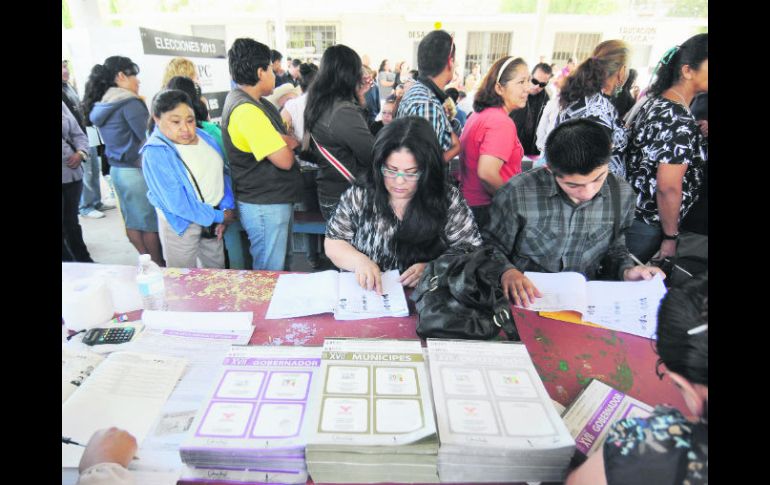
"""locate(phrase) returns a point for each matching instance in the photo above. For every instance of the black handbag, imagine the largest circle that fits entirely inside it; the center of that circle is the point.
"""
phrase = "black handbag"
(460, 296)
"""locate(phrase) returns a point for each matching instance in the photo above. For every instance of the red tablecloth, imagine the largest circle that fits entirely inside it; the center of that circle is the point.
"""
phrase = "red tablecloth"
(566, 355)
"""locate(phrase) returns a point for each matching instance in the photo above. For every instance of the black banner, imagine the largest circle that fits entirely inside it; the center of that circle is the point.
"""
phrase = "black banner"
(216, 103)
(166, 44)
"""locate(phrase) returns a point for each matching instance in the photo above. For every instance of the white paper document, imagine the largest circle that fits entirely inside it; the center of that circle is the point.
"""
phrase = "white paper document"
(76, 366)
(235, 327)
(204, 354)
(626, 306)
(127, 390)
(297, 295)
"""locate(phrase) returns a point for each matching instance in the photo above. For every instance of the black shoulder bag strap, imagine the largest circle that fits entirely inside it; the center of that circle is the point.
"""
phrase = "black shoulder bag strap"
(200, 194)
(606, 267)
(615, 201)
(71, 145)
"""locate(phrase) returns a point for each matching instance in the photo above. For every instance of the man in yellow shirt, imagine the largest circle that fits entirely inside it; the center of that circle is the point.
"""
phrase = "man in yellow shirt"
(266, 180)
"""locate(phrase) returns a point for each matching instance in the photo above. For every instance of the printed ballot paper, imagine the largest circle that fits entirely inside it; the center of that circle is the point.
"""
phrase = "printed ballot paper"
(625, 306)
(299, 295)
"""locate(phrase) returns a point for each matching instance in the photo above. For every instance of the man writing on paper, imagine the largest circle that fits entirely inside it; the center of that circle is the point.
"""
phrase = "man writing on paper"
(562, 217)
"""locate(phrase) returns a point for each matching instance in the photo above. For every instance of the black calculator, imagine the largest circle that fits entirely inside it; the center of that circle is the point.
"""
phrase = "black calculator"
(116, 335)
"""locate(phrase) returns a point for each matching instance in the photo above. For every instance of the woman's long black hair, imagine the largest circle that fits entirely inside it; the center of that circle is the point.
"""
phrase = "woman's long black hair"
(184, 83)
(420, 235)
(337, 78)
(102, 78)
(684, 308)
(691, 53)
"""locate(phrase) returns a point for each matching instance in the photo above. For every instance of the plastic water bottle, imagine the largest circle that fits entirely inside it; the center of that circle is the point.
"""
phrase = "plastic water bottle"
(151, 286)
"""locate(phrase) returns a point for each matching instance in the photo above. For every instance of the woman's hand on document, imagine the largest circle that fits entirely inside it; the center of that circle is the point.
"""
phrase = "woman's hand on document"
(368, 274)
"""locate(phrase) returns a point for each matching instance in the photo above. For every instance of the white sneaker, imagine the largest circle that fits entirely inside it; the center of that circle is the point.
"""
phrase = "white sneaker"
(107, 204)
(95, 214)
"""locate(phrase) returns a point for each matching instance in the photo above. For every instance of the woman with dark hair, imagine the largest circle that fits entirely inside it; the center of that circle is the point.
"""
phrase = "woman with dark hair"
(404, 214)
(665, 447)
(113, 105)
(588, 90)
(336, 121)
(666, 156)
(626, 99)
(184, 169)
(233, 243)
(491, 151)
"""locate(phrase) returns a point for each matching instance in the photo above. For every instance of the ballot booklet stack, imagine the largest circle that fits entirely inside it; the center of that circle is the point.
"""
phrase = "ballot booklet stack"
(496, 422)
(595, 410)
(374, 422)
(253, 425)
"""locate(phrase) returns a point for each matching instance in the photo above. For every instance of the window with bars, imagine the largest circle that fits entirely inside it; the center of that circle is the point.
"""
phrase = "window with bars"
(307, 42)
(485, 48)
(577, 45)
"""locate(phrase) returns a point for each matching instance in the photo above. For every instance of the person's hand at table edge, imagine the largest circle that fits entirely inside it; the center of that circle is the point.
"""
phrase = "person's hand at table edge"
(518, 288)
(640, 272)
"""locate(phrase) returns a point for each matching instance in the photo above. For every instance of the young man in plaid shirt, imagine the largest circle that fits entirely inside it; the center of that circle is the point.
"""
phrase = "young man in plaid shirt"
(561, 217)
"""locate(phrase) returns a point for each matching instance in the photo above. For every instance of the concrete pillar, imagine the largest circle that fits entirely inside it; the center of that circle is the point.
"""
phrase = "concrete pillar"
(537, 47)
(77, 41)
(280, 30)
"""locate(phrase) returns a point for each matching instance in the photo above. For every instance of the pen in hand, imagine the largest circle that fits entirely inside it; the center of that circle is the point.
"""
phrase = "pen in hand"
(636, 260)
(69, 441)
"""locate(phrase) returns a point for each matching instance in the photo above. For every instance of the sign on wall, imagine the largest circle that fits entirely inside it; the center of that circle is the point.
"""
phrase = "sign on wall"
(638, 34)
(208, 55)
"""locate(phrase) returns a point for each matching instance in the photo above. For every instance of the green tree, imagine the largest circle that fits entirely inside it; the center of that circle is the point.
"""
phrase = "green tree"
(583, 7)
(689, 8)
(66, 17)
(173, 5)
(518, 6)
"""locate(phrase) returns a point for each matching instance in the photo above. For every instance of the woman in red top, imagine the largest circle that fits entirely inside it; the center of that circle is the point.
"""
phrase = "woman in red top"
(491, 151)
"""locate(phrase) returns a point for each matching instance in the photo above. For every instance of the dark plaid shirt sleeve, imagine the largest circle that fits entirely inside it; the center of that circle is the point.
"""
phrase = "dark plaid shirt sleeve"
(503, 227)
(618, 252)
(533, 228)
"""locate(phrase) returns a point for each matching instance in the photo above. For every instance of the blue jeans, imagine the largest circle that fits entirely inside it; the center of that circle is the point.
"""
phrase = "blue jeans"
(92, 193)
(268, 228)
(643, 240)
(234, 245)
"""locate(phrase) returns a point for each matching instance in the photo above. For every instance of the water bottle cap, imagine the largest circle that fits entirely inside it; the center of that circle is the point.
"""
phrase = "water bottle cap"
(145, 258)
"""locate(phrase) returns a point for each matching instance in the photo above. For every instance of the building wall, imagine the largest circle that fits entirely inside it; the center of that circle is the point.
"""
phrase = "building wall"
(396, 36)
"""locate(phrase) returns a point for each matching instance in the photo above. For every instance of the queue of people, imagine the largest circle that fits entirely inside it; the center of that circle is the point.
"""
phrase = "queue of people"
(253, 160)
(608, 199)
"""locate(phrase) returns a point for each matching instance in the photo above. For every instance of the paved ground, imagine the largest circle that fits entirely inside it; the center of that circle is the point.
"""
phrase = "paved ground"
(107, 242)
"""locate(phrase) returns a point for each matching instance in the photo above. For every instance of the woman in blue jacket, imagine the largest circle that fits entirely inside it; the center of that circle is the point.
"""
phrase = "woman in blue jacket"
(113, 105)
(184, 169)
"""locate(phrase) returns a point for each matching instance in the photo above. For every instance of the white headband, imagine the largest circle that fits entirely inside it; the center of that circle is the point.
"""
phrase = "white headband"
(502, 69)
(698, 329)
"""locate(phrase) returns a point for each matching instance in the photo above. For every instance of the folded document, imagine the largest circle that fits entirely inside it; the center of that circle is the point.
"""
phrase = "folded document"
(626, 306)
(298, 295)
